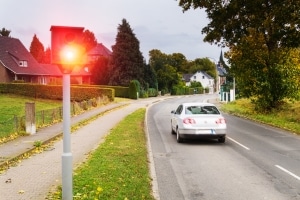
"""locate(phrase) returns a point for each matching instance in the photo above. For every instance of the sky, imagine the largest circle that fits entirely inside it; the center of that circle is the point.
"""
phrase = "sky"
(157, 24)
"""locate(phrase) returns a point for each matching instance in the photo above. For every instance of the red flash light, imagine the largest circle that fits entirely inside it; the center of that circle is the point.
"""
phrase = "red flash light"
(70, 55)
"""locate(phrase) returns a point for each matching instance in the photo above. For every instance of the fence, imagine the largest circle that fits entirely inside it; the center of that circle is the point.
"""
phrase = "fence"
(43, 118)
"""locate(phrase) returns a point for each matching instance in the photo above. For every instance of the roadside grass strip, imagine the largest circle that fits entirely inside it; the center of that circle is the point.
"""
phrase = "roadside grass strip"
(118, 168)
(286, 117)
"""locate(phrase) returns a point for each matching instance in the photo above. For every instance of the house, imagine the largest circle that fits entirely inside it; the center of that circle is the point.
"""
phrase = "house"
(221, 78)
(17, 63)
(200, 76)
(98, 51)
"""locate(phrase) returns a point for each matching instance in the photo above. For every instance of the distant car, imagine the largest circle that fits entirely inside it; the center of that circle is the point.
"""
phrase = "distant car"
(191, 120)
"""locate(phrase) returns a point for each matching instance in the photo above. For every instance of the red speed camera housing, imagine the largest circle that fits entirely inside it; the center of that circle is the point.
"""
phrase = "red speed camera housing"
(67, 47)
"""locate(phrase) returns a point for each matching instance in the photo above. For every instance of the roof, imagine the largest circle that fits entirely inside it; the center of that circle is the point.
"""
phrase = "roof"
(206, 74)
(221, 70)
(187, 77)
(12, 51)
(100, 50)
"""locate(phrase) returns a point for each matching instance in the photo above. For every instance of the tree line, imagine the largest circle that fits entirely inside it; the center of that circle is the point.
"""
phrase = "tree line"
(162, 73)
(263, 37)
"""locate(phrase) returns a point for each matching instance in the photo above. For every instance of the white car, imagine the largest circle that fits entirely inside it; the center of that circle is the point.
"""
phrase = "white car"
(192, 120)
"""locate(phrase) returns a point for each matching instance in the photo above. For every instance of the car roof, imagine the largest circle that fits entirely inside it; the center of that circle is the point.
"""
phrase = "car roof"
(197, 104)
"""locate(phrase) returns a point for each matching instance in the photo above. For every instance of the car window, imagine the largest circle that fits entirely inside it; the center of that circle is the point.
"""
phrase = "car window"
(179, 110)
(195, 110)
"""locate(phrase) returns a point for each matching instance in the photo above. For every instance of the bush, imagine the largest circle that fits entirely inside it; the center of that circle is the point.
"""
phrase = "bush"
(55, 92)
(152, 92)
(133, 90)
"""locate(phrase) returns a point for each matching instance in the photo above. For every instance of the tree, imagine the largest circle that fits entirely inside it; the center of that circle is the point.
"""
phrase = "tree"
(167, 77)
(37, 49)
(99, 71)
(274, 23)
(168, 68)
(203, 64)
(89, 40)
(4, 32)
(150, 76)
(179, 61)
(269, 84)
(47, 56)
(127, 62)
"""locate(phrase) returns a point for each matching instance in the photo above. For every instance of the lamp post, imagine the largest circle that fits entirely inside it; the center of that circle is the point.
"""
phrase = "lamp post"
(66, 53)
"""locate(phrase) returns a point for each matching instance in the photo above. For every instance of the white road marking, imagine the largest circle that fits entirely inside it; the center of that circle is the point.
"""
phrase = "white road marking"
(238, 143)
(288, 172)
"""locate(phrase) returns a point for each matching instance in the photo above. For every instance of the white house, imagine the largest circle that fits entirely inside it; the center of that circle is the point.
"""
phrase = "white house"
(200, 76)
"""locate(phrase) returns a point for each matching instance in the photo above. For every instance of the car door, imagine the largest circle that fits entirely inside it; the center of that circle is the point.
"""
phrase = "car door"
(175, 117)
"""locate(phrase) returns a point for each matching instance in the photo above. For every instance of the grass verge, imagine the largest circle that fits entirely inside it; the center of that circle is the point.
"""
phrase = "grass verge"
(287, 117)
(118, 168)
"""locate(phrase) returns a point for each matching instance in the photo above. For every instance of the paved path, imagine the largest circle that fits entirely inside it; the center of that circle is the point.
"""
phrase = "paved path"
(32, 178)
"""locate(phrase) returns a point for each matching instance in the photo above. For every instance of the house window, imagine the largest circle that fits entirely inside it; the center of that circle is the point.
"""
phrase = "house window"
(194, 77)
(203, 77)
(23, 63)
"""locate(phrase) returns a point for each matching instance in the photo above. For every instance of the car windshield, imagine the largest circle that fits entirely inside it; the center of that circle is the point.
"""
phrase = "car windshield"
(195, 110)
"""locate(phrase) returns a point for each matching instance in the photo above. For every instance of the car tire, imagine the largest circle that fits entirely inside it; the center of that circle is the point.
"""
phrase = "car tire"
(178, 137)
(221, 139)
(172, 131)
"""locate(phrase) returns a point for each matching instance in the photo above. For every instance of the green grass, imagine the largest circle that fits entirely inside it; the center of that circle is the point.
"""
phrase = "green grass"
(13, 105)
(118, 168)
(287, 117)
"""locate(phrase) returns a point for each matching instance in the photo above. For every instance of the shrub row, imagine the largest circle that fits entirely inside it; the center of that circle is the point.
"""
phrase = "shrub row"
(177, 90)
(55, 92)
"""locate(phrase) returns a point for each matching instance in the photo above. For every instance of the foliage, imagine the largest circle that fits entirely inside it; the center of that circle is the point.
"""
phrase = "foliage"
(259, 39)
(89, 40)
(179, 61)
(287, 117)
(152, 92)
(134, 89)
(4, 32)
(37, 49)
(231, 20)
(54, 92)
(166, 69)
(169, 70)
(127, 60)
(195, 84)
(119, 91)
(47, 56)
(99, 71)
(265, 77)
(203, 64)
(150, 76)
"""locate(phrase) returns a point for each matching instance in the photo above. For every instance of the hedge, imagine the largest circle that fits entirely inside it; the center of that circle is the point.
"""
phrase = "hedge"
(55, 92)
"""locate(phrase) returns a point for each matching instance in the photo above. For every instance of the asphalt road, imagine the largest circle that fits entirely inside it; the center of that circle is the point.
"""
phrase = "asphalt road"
(256, 161)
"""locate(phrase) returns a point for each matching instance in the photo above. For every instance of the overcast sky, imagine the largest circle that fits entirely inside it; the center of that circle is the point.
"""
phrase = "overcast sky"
(157, 24)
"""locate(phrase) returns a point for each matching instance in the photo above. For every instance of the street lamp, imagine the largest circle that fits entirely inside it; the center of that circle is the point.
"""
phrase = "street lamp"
(67, 52)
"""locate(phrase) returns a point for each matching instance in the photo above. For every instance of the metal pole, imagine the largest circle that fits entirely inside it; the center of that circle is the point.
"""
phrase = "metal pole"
(233, 89)
(67, 182)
